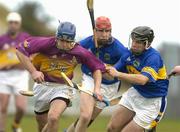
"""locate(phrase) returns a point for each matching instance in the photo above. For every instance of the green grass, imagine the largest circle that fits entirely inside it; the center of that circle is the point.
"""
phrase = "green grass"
(29, 124)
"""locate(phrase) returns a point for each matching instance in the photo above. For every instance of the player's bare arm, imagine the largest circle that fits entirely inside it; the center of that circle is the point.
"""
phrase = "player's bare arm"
(176, 70)
(26, 62)
(131, 78)
(97, 81)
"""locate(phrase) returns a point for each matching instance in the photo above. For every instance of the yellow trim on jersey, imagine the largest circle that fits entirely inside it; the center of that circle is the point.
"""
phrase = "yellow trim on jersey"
(160, 75)
(153, 124)
(132, 70)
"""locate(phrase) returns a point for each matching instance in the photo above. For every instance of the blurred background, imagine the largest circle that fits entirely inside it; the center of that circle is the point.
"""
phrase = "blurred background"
(40, 18)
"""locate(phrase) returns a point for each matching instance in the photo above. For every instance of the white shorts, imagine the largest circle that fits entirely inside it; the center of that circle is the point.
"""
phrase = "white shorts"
(12, 81)
(108, 91)
(45, 93)
(149, 111)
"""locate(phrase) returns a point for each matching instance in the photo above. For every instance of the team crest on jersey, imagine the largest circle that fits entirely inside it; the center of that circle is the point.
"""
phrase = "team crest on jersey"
(97, 54)
(107, 56)
(74, 60)
(56, 66)
(136, 63)
(26, 44)
(129, 58)
(54, 56)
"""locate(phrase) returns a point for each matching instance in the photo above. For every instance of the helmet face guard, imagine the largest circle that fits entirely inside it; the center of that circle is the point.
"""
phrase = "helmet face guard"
(66, 37)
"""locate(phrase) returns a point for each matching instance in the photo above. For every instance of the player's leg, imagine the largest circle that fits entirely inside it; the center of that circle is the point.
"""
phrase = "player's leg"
(96, 112)
(119, 119)
(87, 103)
(124, 114)
(20, 103)
(41, 119)
(4, 101)
(57, 107)
(5, 92)
(149, 112)
(41, 104)
(133, 127)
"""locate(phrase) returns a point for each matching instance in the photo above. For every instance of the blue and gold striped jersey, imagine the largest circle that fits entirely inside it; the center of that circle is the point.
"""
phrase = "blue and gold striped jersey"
(109, 54)
(149, 64)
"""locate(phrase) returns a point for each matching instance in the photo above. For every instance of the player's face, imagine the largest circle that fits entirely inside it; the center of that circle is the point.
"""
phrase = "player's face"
(14, 27)
(64, 44)
(137, 47)
(103, 35)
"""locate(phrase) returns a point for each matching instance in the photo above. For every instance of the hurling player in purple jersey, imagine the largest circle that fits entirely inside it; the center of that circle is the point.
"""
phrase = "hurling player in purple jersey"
(12, 77)
(53, 55)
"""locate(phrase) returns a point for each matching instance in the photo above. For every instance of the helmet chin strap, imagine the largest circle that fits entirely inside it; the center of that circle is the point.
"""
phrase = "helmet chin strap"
(147, 45)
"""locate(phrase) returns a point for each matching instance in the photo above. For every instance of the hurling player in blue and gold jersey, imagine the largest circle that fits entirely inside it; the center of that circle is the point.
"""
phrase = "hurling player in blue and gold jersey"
(143, 105)
(109, 51)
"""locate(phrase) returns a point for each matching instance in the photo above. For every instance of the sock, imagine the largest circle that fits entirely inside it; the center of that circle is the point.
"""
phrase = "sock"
(15, 125)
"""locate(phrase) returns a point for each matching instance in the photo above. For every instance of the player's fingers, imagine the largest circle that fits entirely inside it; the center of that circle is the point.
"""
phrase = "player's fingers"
(37, 80)
(100, 97)
(42, 77)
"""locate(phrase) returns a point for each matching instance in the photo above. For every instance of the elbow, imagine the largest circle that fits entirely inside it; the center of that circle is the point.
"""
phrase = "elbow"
(142, 82)
(97, 71)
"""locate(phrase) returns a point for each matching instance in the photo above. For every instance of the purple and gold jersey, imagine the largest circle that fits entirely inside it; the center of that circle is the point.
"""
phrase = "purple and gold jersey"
(8, 55)
(51, 60)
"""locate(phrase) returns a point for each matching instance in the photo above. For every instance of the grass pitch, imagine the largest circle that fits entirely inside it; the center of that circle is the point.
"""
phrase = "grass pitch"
(29, 124)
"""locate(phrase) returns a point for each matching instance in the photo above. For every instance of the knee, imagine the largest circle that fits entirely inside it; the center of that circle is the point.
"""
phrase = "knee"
(85, 117)
(20, 109)
(111, 128)
(41, 120)
(53, 118)
(3, 110)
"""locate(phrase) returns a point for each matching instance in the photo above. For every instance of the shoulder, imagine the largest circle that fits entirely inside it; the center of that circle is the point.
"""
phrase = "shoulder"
(80, 51)
(79, 48)
(2, 37)
(87, 39)
(41, 39)
(25, 34)
(152, 53)
(117, 43)
(87, 42)
(153, 56)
